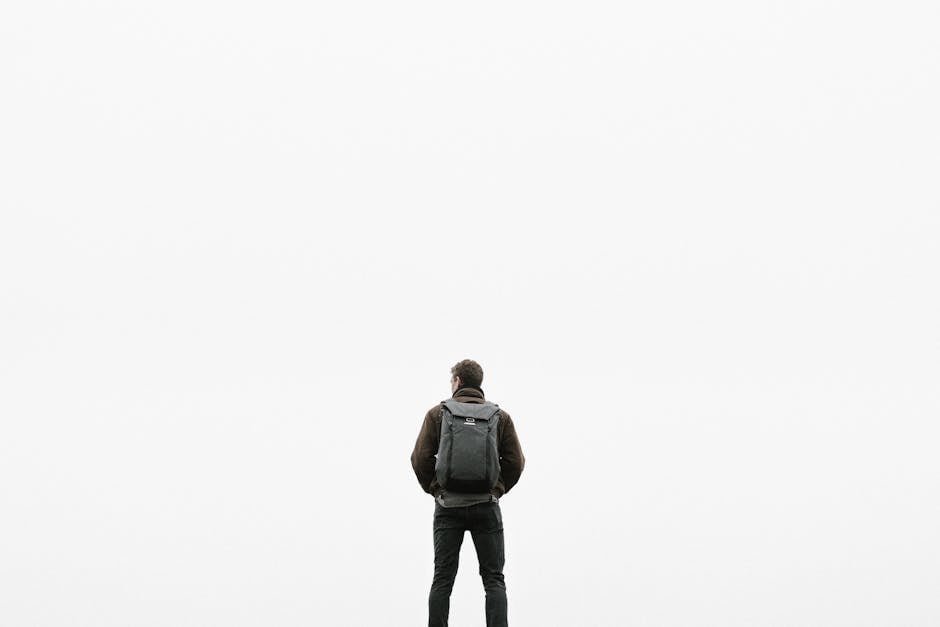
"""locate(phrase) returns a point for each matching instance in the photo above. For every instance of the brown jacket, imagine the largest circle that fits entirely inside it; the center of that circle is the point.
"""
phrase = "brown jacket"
(511, 459)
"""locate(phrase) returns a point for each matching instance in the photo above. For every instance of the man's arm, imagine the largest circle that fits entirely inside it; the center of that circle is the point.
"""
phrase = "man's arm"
(422, 458)
(512, 461)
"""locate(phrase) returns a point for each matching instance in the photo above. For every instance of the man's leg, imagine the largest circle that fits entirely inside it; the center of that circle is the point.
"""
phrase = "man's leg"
(448, 536)
(486, 527)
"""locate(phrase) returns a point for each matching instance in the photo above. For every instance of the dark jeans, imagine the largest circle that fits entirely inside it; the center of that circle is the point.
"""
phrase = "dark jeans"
(485, 522)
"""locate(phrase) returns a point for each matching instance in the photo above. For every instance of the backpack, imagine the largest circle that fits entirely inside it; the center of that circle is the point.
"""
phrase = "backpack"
(468, 457)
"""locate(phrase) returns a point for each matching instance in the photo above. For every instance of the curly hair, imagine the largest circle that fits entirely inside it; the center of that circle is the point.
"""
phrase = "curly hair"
(469, 371)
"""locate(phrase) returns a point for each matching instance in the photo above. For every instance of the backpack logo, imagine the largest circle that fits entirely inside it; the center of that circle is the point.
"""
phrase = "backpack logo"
(469, 421)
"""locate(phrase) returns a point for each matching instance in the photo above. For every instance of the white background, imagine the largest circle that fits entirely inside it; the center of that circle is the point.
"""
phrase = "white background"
(693, 244)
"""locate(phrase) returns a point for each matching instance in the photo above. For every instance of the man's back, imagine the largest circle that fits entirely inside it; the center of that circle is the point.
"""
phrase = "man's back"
(511, 459)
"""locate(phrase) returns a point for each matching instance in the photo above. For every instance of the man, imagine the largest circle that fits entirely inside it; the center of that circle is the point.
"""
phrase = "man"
(456, 512)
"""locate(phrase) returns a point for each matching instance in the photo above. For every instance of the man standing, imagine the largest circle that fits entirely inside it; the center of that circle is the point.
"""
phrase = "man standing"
(457, 510)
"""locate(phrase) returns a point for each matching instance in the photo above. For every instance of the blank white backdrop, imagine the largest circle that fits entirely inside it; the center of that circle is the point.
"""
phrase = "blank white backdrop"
(694, 246)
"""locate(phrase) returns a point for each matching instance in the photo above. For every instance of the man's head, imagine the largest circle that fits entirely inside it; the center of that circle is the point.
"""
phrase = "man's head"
(466, 373)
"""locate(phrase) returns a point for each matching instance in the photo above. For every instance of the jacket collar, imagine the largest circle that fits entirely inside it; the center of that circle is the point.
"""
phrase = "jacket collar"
(469, 395)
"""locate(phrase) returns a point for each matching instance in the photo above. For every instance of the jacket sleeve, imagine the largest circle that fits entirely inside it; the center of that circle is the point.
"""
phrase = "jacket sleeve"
(422, 458)
(511, 461)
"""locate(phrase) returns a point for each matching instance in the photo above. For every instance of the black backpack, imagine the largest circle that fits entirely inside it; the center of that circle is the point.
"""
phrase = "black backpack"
(468, 455)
